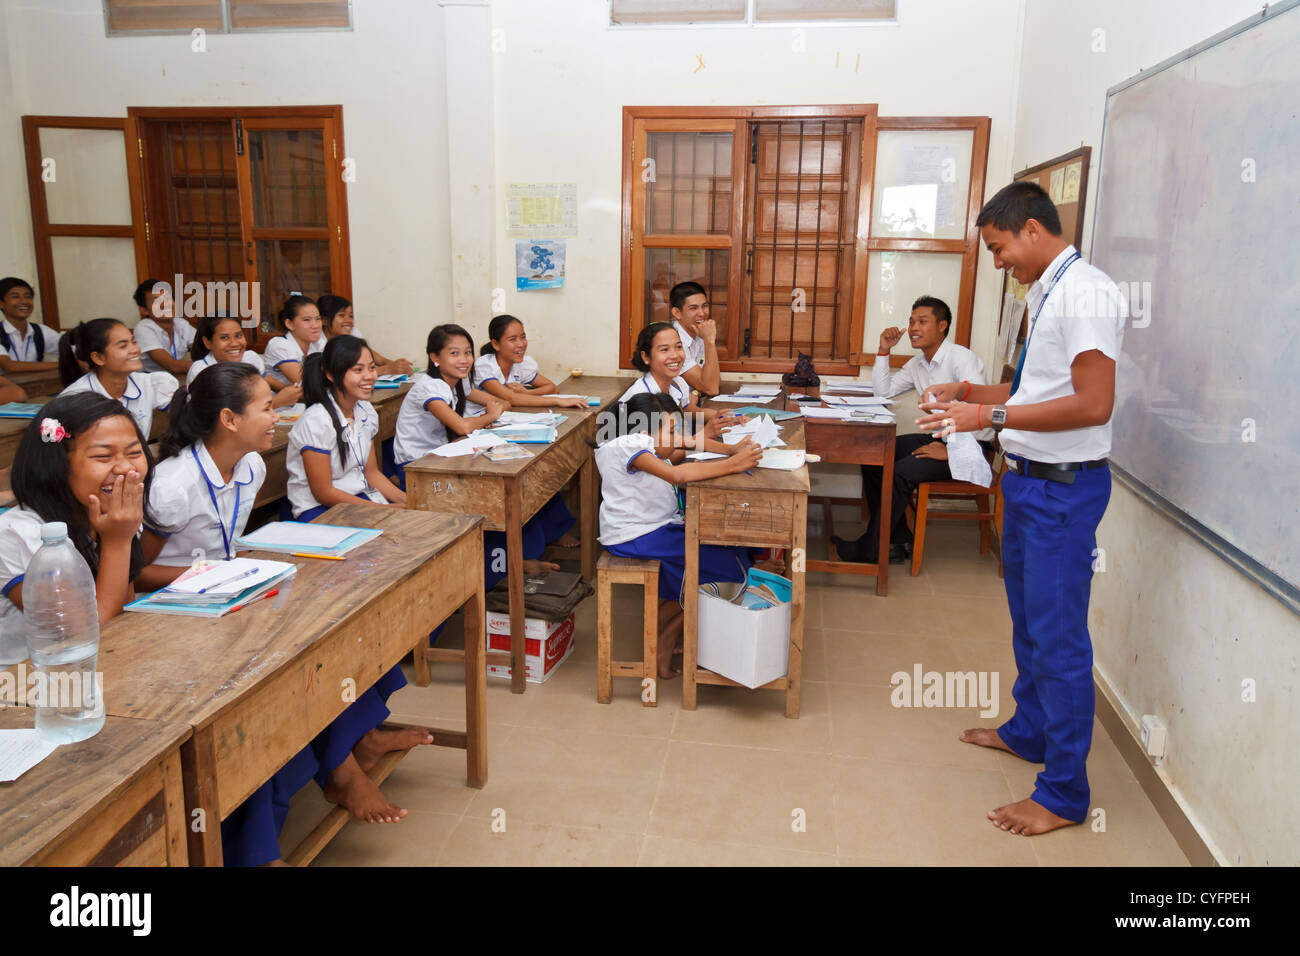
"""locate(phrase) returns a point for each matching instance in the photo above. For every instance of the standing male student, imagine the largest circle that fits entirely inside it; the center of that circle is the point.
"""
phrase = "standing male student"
(1054, 424)
(689, 305)
(917, 458)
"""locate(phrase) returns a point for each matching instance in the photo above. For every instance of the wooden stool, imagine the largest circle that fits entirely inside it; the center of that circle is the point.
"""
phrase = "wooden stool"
(988, 511)
(611, 570)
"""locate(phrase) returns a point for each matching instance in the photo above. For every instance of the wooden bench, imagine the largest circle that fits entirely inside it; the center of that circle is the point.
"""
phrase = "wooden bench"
(610, 570)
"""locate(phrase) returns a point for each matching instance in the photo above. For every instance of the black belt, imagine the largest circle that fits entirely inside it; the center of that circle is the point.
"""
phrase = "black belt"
(1062, 472)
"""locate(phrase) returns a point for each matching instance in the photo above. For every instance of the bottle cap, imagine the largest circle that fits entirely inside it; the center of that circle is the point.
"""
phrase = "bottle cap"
(54, 531)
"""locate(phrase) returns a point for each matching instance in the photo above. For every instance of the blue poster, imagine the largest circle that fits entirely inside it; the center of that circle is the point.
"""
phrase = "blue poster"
(539, 264)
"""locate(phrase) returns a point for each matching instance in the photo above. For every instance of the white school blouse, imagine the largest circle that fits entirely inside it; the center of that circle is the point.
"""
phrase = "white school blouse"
(951, 363)
(285, 348)
(314, 431)
(418, 430)
(678, 389)
(145, 392)
(248, 358)
(149, 335)
(20, 538)
(22, 348)
(487, 369)
(193, 509)
(1084, 311)
(632, 502)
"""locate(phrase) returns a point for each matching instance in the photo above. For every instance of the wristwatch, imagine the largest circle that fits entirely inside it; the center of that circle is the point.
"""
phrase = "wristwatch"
(999, 417)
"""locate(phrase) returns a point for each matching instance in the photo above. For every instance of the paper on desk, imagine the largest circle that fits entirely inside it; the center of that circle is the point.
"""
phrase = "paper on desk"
(529, 418)
(853, 387)
(856, 400)
(20, 751)
(299, 534)
(705, 455)
(752, 388)
(763, 431)
(468, 446)
(233, 576)
(782, 459)
(816, 411)
(740, 398)
(966, 460)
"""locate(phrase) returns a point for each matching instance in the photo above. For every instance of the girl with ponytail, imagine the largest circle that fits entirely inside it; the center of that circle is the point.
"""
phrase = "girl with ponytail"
(108, 349)
(506, 370)
(300, 319)
(210, 471)
(331, 456)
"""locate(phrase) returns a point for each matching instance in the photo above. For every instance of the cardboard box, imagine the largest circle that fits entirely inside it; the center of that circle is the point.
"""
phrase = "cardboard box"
(751, 647)
(546, 645)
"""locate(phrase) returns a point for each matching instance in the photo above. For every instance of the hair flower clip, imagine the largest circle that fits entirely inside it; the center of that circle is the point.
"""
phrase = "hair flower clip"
(52, 430)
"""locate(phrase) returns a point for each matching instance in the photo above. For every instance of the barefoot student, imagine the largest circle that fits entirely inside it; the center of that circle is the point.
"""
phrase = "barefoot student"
(109, 350)
(688, 304)
(82, 461)
(165, 340)
(1053, 420)
(24, 345)
(331, 456)
(337, 319)
(642, 514)
(221, 339)
(917, 457)
(300, 319)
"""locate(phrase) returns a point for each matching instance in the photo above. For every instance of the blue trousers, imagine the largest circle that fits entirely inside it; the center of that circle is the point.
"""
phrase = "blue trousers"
(251, 835)
(1049, 536)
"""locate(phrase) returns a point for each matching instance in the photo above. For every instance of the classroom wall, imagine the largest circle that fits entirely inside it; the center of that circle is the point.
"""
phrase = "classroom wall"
(388, 74)
(561, 83)
(1175, 629)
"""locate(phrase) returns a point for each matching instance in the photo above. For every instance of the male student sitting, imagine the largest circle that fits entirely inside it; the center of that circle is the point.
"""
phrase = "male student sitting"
(164, 340)
(24, 346)
(689, 305)
(920, 457)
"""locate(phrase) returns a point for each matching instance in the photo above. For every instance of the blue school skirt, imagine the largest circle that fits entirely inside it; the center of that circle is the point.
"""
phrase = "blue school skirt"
(667, 545)
(251, 835)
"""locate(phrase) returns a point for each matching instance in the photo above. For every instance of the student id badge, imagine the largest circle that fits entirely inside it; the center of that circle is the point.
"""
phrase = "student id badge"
(374, 495)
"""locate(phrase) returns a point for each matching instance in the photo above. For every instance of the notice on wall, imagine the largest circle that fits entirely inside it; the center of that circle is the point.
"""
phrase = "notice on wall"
(541, 210)
(539, 264)
(933, 166)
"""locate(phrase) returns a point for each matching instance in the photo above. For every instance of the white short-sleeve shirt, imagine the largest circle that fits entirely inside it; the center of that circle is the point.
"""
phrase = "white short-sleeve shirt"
(418, 430)
(315, 431)
(285, 348)
(488, 369)
(1084, 311)
(22, 348)
(20, 537)
(951, 363)
(145, 393)
(248, 358)
(693, 344)
(195, 510)
(678, 389)
(633, 502)
(149, 335)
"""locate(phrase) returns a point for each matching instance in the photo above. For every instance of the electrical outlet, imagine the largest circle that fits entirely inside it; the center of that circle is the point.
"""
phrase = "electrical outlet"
(1154, 736)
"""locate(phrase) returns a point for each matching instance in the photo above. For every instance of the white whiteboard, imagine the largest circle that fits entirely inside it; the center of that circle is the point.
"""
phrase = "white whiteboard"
(1200, 197)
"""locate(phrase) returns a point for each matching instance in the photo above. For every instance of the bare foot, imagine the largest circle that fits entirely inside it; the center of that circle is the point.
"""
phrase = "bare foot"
(539, 567)
(350, 788)
(380, 741)
(568, 540)
(1027, 818)
(983, 737)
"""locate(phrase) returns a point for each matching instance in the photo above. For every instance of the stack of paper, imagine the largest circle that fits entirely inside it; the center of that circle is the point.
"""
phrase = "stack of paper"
(528, 418)
(526, 434)
(782, 459)
(856, 400)
(763, 431)
(389, 381)
(296, 537)
(756, 390)
(217, 588)
(469, 446)
(852, 386)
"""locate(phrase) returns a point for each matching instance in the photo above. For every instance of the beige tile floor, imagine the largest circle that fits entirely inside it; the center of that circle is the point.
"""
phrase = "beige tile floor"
(576, 782)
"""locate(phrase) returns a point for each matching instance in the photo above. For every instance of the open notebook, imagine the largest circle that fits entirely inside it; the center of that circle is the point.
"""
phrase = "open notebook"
(214, 589)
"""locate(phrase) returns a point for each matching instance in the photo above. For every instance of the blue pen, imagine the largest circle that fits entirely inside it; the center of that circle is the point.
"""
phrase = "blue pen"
(238, 577)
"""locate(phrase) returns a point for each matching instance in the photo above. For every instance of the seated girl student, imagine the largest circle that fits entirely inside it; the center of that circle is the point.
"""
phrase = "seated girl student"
(331, 455)
(24, 345)
(82, 461)
(641, 515)
(436, 411)
(209, 476)
(659, 355)
(109, 350)
(284, 354)
(164, 339)
(506, 371)
(220, 339)
(336, 314)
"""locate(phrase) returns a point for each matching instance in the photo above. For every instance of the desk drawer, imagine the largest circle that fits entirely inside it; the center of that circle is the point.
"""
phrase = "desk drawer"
(754, 518)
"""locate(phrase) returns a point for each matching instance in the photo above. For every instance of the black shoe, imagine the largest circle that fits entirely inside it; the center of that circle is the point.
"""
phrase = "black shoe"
(899, 553)
(845, 549)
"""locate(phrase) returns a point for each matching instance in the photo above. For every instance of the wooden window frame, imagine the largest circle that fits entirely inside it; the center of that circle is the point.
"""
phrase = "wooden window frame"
(705, 118)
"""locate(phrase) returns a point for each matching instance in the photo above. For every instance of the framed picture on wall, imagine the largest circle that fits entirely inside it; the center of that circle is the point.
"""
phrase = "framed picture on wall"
(1065, 178)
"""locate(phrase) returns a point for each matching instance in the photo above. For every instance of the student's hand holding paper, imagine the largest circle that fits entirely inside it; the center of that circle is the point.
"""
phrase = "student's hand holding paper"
(746, 456)
(944, 392)
(947, 418)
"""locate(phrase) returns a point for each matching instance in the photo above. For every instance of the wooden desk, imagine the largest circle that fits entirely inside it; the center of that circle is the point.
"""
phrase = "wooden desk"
(257, 685)
(508, 493)
(47, 382)
(113, 800)
(766, 509)
(854, 443)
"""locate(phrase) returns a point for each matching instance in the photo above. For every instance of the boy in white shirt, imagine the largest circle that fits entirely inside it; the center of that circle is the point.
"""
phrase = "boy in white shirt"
(688, 303)
(164, 340)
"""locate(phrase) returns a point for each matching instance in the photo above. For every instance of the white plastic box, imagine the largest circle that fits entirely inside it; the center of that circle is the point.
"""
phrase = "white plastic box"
(751, 647)
(546, 645)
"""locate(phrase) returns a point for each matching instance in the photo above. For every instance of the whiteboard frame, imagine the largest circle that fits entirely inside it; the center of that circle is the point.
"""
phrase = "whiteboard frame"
(1272, 583)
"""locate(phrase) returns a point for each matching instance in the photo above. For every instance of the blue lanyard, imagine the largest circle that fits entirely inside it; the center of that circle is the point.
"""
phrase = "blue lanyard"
(175, 353)
(1033, 322)
(357, 422)
(234, 517)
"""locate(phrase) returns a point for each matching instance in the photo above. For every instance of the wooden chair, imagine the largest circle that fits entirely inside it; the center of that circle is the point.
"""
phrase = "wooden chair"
(611, 570)
(988, 510)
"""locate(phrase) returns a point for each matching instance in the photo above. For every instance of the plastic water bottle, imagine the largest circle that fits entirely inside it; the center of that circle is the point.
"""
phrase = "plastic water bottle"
(62, 619)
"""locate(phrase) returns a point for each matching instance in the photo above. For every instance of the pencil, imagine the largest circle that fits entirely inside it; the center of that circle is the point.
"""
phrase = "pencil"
(323, 557)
